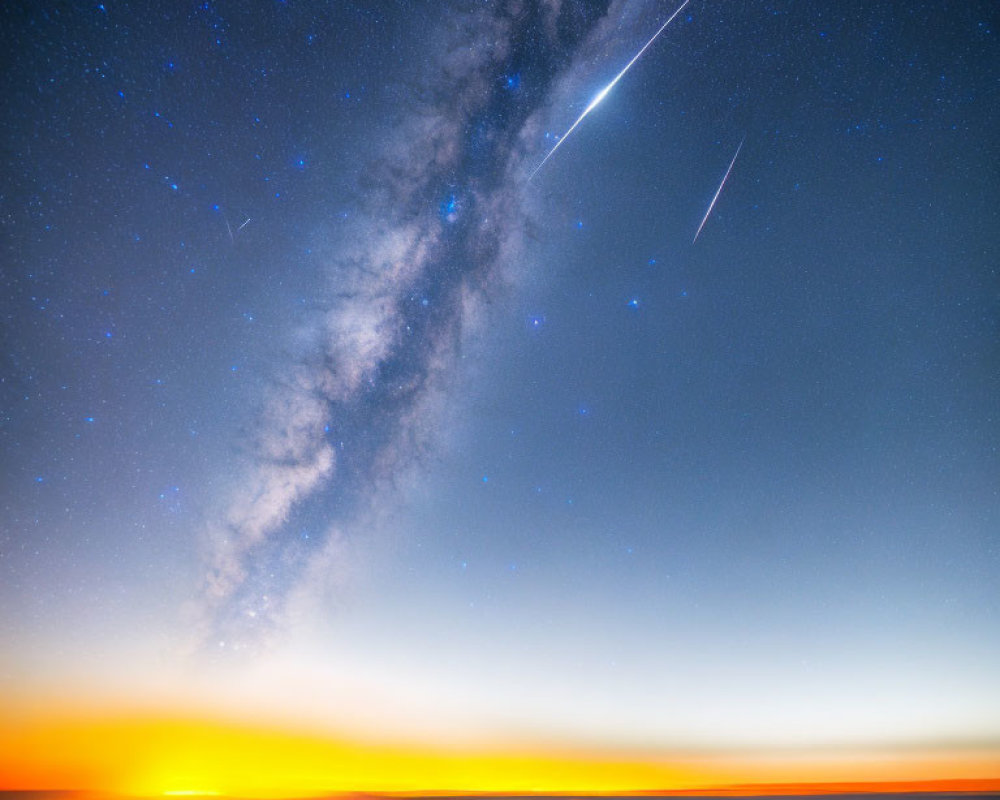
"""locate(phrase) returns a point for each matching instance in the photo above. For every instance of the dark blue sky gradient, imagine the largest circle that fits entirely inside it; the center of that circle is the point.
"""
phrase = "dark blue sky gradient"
(576, 466)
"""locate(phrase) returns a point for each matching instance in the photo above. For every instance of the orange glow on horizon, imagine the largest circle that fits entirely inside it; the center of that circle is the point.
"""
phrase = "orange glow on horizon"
(159, 756)
(143, 756)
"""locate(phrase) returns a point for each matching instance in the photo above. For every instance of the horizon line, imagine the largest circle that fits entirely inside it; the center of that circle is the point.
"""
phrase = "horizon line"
(958, 787)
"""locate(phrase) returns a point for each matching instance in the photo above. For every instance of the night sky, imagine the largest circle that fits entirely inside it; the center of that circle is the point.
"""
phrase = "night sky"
(317, 405)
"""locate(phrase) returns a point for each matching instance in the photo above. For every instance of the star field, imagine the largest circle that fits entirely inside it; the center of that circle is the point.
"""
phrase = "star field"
(306, 361)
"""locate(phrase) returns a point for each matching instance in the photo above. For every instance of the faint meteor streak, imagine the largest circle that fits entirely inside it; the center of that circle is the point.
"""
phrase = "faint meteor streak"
(604, 92)
(718, 192)
(229, 228)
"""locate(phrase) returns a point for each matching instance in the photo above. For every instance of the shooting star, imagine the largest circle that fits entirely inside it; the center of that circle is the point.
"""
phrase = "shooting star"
(718, 191)
(604, 92)
(234, 233)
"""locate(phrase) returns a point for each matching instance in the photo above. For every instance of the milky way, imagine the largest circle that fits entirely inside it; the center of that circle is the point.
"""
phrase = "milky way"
(441, 222)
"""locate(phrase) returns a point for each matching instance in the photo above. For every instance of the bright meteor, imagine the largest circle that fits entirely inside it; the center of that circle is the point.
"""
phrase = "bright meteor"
(718, 192)
(603, 93)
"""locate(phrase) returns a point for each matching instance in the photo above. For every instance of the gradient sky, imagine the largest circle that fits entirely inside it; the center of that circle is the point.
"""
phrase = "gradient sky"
(315, 410)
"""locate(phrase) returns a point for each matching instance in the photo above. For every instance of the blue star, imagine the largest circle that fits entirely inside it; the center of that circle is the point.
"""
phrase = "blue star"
(449, 208)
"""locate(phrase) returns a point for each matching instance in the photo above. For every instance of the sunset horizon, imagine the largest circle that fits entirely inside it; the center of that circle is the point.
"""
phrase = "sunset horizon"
(918, 790)
(499, 398)
(144, 755)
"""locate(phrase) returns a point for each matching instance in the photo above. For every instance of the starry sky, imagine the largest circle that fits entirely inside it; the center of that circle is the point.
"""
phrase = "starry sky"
(317, 406)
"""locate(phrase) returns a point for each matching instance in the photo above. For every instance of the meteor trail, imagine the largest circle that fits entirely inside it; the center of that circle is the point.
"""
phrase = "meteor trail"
(718, 191)
(229, 228)
(603, 93)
